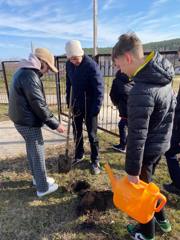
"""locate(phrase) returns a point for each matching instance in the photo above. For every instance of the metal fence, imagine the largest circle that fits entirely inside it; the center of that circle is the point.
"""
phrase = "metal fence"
(49, 82)
(55, 88)
(109, 116)
(3, 90)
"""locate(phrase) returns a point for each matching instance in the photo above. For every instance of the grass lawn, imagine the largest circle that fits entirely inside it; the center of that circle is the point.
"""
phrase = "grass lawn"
(176, 83)
(25, 217)
(3, 112)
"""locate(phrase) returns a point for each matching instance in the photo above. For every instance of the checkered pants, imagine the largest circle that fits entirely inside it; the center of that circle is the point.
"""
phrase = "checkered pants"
(35, 154)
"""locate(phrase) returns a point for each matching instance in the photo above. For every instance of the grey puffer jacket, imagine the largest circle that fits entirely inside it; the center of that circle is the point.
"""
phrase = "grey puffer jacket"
(151, 107)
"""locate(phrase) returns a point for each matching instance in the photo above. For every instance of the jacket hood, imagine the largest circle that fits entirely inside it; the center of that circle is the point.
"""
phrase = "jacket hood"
(122, 76)
(158, 71)
(32, 62)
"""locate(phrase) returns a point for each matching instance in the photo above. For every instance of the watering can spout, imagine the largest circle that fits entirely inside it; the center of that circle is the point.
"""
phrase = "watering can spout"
(111, 176)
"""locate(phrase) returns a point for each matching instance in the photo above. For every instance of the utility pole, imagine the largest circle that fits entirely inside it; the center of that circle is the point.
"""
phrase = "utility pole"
(95, 13)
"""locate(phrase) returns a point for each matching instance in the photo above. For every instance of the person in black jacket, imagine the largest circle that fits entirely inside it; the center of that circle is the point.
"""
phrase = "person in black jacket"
(171, 154)
(29, 111)
(151, 105)
(84, 79)
(119, 93)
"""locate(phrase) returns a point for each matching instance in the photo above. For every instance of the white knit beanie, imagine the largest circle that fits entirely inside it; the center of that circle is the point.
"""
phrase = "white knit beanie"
(73, 49)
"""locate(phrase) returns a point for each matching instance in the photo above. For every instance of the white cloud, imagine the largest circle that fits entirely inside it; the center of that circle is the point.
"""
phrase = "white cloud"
(151, 25)
(11, 45)
(66, 26)
(18, 3)
(153, 36)
(49, 27)
(157, 3)
(108, 4)
(54, 22)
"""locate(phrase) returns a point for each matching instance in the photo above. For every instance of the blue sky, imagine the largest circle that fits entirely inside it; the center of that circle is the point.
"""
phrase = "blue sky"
(51, 23)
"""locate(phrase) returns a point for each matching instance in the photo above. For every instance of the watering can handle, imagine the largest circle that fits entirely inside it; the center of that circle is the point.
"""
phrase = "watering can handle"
(162, 200)
(140, 185)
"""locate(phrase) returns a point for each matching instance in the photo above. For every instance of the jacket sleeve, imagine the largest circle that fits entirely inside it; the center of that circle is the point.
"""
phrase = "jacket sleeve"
(33, 91)
(97, 82)
(114, 95)
(140, 108)
(68, 86)
(177, 112)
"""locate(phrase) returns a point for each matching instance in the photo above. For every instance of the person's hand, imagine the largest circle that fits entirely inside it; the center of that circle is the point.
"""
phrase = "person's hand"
(60, 128)
(133, 179)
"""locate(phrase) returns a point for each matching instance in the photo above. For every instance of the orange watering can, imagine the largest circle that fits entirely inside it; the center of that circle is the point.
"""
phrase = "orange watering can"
(139, 201)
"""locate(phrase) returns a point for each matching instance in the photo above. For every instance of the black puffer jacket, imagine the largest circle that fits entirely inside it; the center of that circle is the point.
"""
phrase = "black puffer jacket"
(27, 104)
(119, 92)
(151, 107)
(175, 140)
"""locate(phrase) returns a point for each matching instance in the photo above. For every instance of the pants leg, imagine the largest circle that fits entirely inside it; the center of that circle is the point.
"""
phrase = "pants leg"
(122, 131)
(147, 171)
(30, 159)
(77, 124)
(91, 124)
(173, 164)
(35, 154)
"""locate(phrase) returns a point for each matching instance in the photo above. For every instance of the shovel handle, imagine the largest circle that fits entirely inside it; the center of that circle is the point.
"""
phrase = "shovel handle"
(69, 122)
(162, 200)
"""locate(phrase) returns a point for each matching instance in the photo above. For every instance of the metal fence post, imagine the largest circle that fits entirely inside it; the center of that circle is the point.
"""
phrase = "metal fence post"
(5, 79)
(58, 89)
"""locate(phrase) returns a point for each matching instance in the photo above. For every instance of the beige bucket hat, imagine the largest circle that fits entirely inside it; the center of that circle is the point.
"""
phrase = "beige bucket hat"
(45, 55)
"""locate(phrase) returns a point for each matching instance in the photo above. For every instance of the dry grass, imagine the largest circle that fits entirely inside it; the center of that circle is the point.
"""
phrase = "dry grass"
(24, 216)
(3, 112)
(176, 83)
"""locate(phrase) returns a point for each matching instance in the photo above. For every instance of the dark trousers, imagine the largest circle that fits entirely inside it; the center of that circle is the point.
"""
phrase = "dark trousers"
(173, 163)
(147, 171)
(91, 125)
(123, 131)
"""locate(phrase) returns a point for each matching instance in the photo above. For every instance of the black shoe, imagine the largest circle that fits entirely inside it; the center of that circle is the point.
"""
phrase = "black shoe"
(165, 225)
(77, 160)
(171, 188)
(96, 169)
(119, 148)
(135, 232)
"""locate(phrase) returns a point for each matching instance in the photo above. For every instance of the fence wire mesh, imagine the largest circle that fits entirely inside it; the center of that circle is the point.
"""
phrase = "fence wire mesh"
(55, 87)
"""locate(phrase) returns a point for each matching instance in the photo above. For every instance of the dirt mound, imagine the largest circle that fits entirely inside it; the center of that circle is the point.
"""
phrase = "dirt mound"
(91, 200)
(80, 187)
(64, 163)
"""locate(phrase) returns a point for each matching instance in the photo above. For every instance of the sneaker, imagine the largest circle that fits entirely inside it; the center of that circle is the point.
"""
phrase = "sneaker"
(77, 160)
(135, 233)
(165, 225)
(119, 148)
(49, 180)
(171, 188)
(96, 169)
(52, 188)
